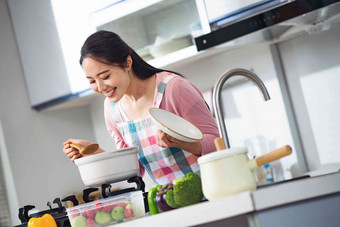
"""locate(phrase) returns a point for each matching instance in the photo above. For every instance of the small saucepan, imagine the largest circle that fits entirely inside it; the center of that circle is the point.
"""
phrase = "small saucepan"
(229, 171)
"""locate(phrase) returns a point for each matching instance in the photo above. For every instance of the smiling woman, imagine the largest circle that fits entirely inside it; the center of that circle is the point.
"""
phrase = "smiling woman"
(132, 87)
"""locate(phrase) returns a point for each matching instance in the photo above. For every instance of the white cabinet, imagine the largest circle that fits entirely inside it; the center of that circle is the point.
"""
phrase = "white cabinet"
(50, 34)
(49, 80)
(39, 49)
(161, 32)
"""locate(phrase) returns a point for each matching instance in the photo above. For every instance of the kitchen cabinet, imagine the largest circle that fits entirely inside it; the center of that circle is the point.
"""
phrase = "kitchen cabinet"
(46, 39)
(161, 32)
(43, 63)
(41, 58)
(50, 33)
(310, 201)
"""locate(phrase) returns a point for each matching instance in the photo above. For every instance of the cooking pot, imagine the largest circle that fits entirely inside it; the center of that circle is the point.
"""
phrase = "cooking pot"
(108, 167)
(229, 171)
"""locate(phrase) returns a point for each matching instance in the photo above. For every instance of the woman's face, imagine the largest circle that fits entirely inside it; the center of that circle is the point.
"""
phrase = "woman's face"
(111, 81)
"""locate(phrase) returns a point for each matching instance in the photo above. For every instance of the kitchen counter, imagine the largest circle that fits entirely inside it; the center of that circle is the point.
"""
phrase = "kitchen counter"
(312, 201)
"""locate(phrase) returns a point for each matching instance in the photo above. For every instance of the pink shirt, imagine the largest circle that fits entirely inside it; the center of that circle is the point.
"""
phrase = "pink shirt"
(182, 98)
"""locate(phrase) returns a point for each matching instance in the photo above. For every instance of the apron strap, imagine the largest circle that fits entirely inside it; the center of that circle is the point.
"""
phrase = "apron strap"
(161, 89)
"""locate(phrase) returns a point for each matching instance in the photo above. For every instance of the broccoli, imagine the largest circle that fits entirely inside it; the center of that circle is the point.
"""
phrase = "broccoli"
(187, 190)
(183, 191)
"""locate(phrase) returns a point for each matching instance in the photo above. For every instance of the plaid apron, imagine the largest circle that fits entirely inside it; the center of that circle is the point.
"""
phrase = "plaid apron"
(163, 164)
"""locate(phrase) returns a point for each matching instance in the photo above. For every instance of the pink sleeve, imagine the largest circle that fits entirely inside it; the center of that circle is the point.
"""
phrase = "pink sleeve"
(112, 127)
(184, 99)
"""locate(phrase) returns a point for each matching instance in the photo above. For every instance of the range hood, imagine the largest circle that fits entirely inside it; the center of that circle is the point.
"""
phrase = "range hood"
(275, 24)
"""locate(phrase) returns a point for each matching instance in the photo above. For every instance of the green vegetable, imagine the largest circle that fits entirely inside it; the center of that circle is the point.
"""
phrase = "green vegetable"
(170, 198)
(161, 198)
(187, 190)
(183, 191)
(151, 200)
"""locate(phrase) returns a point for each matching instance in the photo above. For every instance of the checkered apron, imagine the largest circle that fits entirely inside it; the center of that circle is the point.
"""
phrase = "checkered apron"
(163, 164)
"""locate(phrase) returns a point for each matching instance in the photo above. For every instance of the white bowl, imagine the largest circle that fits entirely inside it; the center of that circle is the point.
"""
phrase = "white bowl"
(175, 126)
(108, 167)
(159, 50)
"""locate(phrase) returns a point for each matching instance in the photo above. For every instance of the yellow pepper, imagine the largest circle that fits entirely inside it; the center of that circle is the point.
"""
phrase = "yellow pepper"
(45, 221)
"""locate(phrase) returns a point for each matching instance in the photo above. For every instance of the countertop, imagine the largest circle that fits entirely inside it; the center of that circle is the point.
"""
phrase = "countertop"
(264, 198)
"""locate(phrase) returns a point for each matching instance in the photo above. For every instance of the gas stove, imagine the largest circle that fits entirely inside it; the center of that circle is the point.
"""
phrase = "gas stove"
(59, 213)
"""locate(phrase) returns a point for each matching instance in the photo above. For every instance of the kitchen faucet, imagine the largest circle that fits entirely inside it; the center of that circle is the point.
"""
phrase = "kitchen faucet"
(217, 97)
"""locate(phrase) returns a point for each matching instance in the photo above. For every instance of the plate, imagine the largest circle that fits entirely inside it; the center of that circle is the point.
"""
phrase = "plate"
(165, 46)
(175, 125)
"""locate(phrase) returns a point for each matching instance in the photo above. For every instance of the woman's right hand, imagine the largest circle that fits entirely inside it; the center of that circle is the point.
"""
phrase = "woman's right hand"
(73, 153)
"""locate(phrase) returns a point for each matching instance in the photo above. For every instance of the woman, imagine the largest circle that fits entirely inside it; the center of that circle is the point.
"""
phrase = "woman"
(131, 87)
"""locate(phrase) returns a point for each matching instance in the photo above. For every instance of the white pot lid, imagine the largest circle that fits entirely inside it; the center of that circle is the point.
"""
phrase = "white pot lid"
(106, 155)
(221, 154)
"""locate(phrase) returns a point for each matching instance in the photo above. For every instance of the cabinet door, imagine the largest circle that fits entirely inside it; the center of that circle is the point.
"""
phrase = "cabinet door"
(39, 48)
(153, 28)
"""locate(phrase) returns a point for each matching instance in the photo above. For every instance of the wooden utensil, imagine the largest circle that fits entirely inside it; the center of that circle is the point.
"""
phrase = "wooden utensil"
(219, 143)
(89, 149)
(264, 159)
(274, 155)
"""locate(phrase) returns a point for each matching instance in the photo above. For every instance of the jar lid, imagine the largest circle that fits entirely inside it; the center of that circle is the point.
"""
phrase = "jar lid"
(221, 154)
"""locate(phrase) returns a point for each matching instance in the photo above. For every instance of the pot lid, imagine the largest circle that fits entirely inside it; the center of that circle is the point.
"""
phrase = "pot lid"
(221, 154)
(106, 155)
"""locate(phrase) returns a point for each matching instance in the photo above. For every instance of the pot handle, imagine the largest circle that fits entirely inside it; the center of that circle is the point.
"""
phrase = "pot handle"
(274, 155)
(219, 143)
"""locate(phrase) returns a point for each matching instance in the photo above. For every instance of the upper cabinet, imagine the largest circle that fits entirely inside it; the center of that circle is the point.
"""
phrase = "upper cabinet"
(50, 34)
(41, 57)
(49, 58)
(161, 32)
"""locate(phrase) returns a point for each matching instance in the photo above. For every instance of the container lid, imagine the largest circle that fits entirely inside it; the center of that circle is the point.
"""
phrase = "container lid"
(106, 155)
(221, 154)
(118, 198)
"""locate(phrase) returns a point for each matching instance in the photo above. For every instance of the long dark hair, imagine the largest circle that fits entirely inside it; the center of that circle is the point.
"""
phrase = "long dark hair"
(108, 48)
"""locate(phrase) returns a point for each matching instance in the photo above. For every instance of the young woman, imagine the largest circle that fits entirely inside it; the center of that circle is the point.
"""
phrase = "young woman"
(132, 87)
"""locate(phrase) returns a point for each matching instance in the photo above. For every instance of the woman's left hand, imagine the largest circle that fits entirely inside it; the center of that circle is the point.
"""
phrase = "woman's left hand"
(165, 140)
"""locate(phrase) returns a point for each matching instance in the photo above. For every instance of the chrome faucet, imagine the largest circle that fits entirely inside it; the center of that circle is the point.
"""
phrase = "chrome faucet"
(217, 97)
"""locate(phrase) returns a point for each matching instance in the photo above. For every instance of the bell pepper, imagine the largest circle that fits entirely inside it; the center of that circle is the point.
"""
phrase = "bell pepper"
(45, 221)
(151, 200)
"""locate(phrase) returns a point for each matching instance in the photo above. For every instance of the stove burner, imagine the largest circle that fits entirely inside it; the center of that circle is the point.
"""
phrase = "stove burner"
(59, 214)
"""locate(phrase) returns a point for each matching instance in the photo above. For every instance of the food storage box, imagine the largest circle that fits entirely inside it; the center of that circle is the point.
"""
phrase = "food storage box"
(108, 211)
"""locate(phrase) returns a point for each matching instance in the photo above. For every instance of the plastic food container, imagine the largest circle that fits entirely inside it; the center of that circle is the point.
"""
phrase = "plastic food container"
(108, 211)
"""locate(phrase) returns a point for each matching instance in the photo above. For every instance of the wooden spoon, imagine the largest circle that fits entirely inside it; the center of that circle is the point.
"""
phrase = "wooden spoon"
(89, 149)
